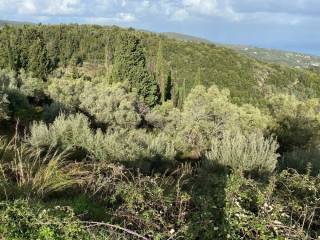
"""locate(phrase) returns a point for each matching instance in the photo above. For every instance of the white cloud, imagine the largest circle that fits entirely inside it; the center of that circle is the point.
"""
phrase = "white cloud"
(27, 7)
(120, 18)
(207, 7)
(180, 15)
(277, 11)
(127, 17)
(63, 7)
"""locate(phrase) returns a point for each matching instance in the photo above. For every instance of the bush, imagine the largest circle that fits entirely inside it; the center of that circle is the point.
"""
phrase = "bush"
(3, 106)
(30, 86)
(50, 112)
(301, 160)
(297, 122)
(66, 91)
(155, 206)
(7, 80)
(133, 147)
(245, 153)
(230, 206)
(111, 105)
(25, 220)
(165, 118)
(65, 132)
(208, 113)
(299, 195)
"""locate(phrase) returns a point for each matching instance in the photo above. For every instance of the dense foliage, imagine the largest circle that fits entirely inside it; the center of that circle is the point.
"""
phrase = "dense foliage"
(112, 52)
(109, 133)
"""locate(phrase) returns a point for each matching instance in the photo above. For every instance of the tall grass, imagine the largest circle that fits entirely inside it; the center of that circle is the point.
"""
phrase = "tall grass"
(29, 171)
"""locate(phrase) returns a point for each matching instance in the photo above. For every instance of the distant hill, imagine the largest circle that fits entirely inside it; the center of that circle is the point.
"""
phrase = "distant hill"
(292, 59)
(184, 37)
(4, 22)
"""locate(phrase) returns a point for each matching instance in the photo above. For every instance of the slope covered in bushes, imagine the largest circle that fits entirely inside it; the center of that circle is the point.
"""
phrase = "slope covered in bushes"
(134, 140)
(42, 49)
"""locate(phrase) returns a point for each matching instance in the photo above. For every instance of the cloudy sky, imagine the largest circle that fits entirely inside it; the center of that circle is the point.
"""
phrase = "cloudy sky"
(283, 24)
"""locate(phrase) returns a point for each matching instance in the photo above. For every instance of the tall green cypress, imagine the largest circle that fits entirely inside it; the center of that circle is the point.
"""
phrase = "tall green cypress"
(130, 65)
(160, 72)
(38, 59)
(184, 89)
(168, 88)
(198, 77)
(13, 49)
(175, 96)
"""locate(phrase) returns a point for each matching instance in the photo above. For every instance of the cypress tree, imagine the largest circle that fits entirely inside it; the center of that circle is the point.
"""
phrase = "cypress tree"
(175, 96)
(184, 90)
(198, 77)
(13, 49)
(130, 65)
(168, 88)
(160, 72)
(38, 61)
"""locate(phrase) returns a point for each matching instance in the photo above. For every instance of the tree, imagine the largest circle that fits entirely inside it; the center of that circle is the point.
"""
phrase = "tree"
(297, 123)
(168, 88)
(160, 72)
(38, 59)
(13, 49)
(130, 65)
(198, 77)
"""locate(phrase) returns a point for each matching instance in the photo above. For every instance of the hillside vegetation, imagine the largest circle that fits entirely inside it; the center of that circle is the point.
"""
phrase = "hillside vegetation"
(110, 133)
(292, 59)
(187, 63)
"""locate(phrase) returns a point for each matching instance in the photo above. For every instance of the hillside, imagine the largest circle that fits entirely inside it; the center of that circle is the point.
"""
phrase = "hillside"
(4, 22)
(113, 133)
(188, 62)
(185, 37)
(292, 59)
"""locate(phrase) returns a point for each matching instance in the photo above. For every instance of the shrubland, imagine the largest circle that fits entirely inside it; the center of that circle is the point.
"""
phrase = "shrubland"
(106, 141)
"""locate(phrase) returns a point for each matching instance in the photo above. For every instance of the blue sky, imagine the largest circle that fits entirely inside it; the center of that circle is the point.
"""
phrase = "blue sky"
(282, 24)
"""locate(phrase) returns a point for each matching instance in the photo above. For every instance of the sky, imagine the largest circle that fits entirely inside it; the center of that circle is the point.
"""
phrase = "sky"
(282, 24)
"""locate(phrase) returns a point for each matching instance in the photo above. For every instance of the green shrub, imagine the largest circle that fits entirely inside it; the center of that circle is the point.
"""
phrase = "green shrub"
(65, 132)
(112, 105)
(8, 80)
(297, 122)
(30, 86)
(50, 112)
(299, 195)
(154, 206)
(66, 91)
(231, 206)
(246, 153)
(302, 160)
(3, 106)
(22, 219)
(134, 147)
(164, 117)
(208, 113)
(19, 106)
